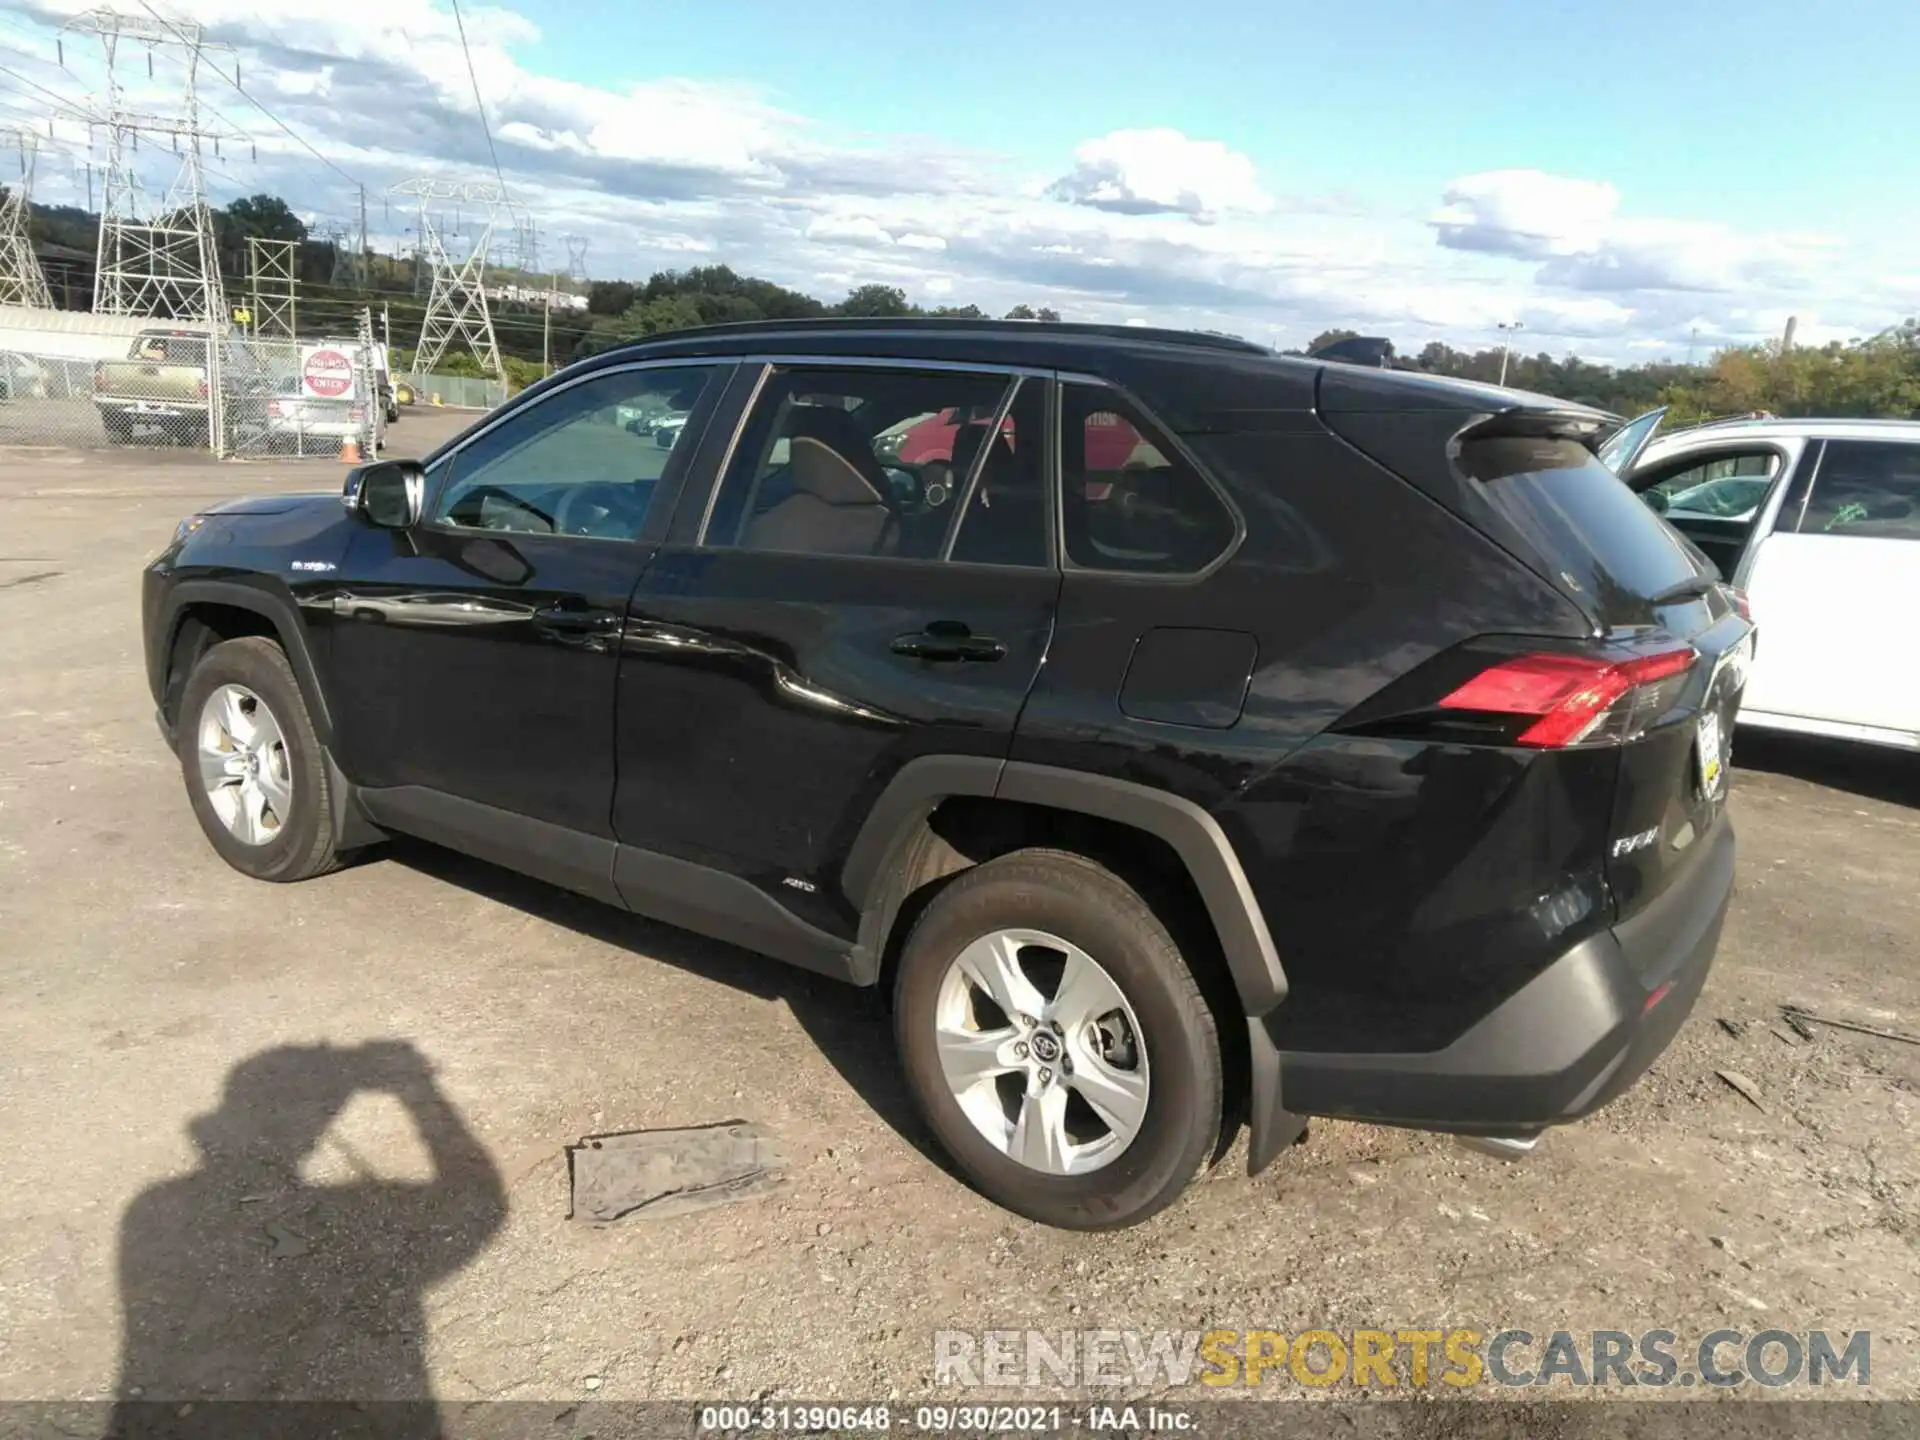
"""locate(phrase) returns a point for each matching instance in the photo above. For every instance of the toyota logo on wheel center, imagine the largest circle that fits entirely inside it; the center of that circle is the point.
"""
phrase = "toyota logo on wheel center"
(1045, 1048)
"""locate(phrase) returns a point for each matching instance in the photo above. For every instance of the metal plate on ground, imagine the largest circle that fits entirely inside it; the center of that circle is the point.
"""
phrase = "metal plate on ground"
(657, 1173)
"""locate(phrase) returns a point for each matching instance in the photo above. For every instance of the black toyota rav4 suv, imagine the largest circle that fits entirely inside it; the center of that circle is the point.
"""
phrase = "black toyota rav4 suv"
(1178, 733)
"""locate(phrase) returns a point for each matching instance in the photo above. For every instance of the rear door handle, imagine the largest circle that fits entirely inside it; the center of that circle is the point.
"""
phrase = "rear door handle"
(948, 640)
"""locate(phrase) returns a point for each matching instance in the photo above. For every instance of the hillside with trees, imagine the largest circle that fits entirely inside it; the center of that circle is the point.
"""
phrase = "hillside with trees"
(1876, 375)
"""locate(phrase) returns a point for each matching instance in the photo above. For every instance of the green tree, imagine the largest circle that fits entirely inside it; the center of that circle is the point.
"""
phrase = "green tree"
(876, 301)
(1328, 337)
(610, 297)
(266, 217)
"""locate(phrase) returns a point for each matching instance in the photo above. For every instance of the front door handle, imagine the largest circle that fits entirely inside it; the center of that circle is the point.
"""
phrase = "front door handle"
(569, 620)
(951, 641)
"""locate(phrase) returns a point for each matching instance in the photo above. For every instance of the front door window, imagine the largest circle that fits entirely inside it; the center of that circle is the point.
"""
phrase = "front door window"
(585, 460)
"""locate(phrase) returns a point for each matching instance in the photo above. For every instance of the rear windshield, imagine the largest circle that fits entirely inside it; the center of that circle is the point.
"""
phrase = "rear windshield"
(171, 349)
(1579, 517)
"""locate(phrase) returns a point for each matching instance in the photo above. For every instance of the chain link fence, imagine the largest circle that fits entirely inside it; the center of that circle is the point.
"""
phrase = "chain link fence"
(465, 392)
(92, 381)
(308, 397)
(73, 379)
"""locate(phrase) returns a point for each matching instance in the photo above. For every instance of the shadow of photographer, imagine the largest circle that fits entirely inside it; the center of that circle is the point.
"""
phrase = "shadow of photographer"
(244, 1281)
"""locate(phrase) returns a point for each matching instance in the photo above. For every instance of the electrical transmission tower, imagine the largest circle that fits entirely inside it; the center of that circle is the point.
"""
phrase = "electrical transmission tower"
(577, 259)
(273, 282)
(163, 262)
(526, 245)
(347, 269)
(456, 297)
(22, 282)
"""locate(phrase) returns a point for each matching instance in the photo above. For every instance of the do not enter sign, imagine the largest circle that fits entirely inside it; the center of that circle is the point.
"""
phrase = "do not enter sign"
(326, 373)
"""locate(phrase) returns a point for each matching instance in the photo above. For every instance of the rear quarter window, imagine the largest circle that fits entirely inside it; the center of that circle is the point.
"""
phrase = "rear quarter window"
(1578, 515)
(1130, 501)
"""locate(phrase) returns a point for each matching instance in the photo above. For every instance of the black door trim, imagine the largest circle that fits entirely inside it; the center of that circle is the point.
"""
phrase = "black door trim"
(554, 853)
(677, 892)
(725, 907)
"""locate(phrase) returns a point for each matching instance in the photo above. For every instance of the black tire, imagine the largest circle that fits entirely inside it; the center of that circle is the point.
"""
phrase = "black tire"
(1087, 905)
(119, 429)
(304, 846)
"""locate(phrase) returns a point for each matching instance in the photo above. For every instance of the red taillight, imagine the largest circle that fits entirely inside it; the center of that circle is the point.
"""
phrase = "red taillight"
(1740, 602)
(1655, 998)
(273, 407)
(1575, 698)
(203, 388)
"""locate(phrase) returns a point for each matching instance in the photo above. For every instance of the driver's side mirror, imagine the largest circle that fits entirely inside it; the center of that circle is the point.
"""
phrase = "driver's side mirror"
(388, 493)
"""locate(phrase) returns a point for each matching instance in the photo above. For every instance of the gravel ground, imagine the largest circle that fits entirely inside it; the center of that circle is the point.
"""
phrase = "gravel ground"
(450, 1028)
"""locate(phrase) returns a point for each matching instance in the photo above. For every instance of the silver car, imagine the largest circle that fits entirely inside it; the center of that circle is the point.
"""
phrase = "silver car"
(300, 422)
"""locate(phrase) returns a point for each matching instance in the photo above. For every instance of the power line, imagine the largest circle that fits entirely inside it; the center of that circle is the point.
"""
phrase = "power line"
(74, 112)
(291, 133)
(474, 78)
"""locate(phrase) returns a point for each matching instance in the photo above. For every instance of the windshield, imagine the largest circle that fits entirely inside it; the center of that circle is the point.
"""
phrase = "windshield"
(1734, 497)
(1623, 447)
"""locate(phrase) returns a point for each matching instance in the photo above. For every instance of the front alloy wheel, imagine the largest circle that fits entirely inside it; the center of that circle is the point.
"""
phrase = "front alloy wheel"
(244, 765)
(253, 766)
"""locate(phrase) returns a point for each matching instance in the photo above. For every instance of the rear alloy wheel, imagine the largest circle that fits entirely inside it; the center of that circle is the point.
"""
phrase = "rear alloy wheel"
(1057, 1042)
(252, 763)
(1057, 1078)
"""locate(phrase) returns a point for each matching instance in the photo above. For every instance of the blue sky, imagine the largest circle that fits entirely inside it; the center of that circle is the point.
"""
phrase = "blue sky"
(1628, 180)
(1699, 106)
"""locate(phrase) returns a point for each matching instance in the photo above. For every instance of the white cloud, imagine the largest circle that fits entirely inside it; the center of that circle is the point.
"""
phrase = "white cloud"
(849, 229)
(1576, 229)
(1146, 172)
(1525, 213)
(1145, 224)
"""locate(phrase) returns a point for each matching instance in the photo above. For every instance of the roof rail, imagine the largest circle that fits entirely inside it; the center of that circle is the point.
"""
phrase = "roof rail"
(906, 324)
(1741, 419)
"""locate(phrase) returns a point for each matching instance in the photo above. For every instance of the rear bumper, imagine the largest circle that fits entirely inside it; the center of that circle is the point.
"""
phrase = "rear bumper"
(1573, 1038)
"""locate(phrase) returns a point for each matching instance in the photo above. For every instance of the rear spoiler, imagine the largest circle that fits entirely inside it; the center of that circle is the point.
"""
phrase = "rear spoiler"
(1531, 423)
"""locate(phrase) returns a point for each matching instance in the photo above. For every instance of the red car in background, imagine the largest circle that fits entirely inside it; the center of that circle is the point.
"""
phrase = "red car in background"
(1110, 441)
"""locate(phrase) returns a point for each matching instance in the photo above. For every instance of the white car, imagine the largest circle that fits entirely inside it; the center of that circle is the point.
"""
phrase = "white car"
(1817, 523)
(299, 422)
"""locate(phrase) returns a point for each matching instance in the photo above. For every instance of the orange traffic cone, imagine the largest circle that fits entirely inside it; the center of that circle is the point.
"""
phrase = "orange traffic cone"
(349, 451)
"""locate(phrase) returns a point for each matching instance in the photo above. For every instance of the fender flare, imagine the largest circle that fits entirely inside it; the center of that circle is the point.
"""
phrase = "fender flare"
(870, 876)
(277, 610)
(351, 824)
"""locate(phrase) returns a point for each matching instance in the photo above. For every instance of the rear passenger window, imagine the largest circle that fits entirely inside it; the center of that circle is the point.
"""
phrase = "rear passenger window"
(1129, 500)
(1867, 488)
(1002, 515)
(878, 463)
